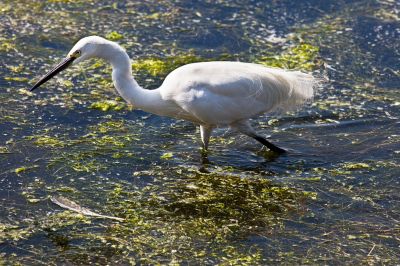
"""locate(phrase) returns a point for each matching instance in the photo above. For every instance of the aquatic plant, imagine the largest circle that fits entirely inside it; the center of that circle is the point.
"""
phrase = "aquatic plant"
(162, 66)
(303, 57)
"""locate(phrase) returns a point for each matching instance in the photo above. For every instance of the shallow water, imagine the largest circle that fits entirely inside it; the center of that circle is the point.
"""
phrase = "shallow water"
(332, 199)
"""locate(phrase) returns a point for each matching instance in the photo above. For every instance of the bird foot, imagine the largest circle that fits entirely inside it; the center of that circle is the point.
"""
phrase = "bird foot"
(269, 145)
(204, 157)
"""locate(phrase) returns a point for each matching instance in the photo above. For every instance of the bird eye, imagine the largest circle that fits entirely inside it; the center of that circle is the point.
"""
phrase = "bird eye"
(76, 54)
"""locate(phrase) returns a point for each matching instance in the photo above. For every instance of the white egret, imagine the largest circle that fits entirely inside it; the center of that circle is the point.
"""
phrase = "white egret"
(209, 94)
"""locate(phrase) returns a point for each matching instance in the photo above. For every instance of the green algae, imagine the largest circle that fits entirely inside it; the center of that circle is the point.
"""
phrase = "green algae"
(52, 222)
(64, 1)
(7, 45)
(223, 140)
(210, 208)
(18, 79)
(153, 66)
(109, 127)
(111, 141)
(83, 164)
(10, 232)
(119, 155)
(167, 156)
(16, 69)
(357, 166)
(347, 169)
(334, 33)
(155, 16)
(30, 194)
(226, 196)
(66, 189)
(108, 105)
(47, 141)
(311, 179)
(20, 170)
(81, 153)
(163, 66)
(114, 36)
(78, 161)
(190, 219)
(4, 150)
(303, 57)
(24, 169)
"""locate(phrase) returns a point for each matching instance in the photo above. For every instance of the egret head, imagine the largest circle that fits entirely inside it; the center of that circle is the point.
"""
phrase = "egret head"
(85, 48)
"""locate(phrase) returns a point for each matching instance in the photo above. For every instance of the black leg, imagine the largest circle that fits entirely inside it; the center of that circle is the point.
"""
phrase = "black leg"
(204, 162)
(269, 145)
(204, 157)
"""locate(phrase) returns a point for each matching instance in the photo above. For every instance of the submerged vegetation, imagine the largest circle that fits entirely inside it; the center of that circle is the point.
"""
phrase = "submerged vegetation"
(108, 105)
(331, 200)
(194, 217)
(114, 36)
(161, 67)
(303, 57)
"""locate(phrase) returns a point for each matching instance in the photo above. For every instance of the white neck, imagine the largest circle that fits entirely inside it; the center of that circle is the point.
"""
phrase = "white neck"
(126, 85)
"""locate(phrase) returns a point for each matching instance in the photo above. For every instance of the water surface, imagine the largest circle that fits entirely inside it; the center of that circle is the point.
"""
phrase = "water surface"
(332, 199)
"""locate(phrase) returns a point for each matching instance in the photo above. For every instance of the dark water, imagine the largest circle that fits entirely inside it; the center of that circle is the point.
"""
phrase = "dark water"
(333, 199)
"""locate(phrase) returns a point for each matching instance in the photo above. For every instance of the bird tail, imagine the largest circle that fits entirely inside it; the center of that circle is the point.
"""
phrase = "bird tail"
(302, 88)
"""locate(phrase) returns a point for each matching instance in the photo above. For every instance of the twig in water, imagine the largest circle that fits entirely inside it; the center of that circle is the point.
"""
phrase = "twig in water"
(372, 249)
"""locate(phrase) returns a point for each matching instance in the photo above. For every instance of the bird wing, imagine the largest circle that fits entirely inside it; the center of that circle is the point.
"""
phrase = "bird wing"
(227, 92)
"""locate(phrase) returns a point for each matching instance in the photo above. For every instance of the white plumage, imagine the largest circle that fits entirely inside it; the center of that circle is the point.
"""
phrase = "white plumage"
(209, 94)
(222, 93)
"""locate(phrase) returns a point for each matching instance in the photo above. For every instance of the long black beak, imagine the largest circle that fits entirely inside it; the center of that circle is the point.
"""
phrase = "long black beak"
(57, 69)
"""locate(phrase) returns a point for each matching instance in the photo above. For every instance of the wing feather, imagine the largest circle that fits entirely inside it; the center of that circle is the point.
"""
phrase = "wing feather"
(226, 92)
